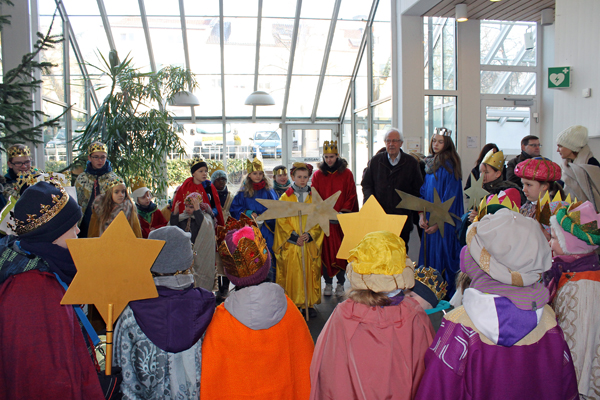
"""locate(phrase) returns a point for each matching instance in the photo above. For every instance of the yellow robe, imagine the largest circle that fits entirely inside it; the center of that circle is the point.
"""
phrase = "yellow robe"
(289, 258)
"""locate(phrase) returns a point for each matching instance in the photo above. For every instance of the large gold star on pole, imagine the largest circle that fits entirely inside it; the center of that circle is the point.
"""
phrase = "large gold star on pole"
(112, 269)
(319, 212)
(370, 218)
(438, 211)
(476, 192)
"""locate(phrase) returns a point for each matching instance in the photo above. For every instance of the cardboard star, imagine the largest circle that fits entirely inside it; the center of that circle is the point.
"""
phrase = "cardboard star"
(476, 192)
(370, 218)
(319, 212)
(112, 269)
(438, 211)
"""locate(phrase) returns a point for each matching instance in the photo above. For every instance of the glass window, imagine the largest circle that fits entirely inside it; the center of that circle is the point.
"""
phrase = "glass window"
(382, 59)
(55, 139)
(53, 86)
(332, 96)
(260, 138)
(362, 140)
(361, 84)
(506, 126)
(129, 38)
(167, 41)
(201, 8)
(241, 8)
(440, 53)
(204, 46)
(506, 82)
(347, 137)
(240, 45)
(237, 88)
(382, 122)
(440, 112)
(508, 43)
(302, 95)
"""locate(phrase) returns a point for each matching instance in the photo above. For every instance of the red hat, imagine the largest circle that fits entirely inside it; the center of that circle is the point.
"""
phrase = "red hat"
(538, 169)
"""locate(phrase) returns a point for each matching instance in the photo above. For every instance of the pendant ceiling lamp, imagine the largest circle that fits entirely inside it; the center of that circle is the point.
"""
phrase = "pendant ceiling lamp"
(260, 98)
(184, 99)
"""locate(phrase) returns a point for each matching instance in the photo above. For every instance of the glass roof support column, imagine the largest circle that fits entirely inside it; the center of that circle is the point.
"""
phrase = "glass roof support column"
(106, 24)
(363, 44)
(67, 89)
(257, 59)
(334, 17)
(75, 46)
(497, 43)
(222, 44)
(288, 81)
(144, 18)
(369, 54)
(186, 51)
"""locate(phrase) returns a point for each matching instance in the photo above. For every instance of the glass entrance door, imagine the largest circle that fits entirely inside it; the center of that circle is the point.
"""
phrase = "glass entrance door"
(505, 124)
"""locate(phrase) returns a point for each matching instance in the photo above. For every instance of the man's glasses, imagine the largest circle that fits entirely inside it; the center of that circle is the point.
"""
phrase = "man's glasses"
(535, 145)
(98, 157)
(390, 141)
(20, 164)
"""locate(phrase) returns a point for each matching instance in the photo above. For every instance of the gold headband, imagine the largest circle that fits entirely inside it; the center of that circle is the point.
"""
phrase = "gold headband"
(47, 212)
(15, 151)
(97, 146)
(280, 171)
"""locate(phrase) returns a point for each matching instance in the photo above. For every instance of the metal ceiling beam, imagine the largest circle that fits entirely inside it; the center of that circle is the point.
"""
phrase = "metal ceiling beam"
(106, 24)
(496, 45)
(147, 35)
(288, 80)
(257, 58)
(186, 51)
(334, 17)
(363, 44)
(222, 45)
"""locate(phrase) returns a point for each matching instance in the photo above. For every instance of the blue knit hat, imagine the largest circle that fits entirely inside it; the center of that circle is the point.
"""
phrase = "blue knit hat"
(218, 174)
(44, 212)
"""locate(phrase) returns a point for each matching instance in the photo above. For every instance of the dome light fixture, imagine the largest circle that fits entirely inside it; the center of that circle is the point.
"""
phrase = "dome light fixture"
(184, 99)
(260, 98)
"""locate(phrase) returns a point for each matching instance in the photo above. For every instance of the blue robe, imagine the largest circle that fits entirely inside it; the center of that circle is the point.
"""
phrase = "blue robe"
(443, 253)
(242, 204)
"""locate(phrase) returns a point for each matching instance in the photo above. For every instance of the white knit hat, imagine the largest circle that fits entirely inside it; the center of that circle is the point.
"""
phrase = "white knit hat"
(573, 138)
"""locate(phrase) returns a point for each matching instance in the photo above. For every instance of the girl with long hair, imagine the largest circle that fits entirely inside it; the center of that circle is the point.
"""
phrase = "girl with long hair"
(443, 174)
(108, 205)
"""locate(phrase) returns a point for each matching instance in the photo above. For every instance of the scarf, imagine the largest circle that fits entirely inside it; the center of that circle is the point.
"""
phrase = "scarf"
(98, 172)
(301, 192)
(146, 211)
(282, 188)
(429, 164)
(330, 170)
(259, 185)
(58, 258)
(581, 179)
(569, 263)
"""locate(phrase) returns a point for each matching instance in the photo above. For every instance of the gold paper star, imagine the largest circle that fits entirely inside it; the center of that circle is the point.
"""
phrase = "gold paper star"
(114, 268)
(319, 212)
(370, 218)
(476, 192)
(438, 211)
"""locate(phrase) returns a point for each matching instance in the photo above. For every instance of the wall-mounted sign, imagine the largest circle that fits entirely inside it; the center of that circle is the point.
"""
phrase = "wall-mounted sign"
(559, 77)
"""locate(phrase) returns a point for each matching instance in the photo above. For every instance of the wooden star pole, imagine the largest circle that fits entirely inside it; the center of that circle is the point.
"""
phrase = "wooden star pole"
(319, 212)
(438, 211)
(110, 285)
(476, 192)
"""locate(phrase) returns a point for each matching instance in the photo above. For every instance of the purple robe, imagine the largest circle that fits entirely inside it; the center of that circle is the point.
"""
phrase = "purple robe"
(459, 365)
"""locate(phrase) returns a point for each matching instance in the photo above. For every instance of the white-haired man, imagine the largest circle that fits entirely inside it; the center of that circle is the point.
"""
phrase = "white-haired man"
(391, 170)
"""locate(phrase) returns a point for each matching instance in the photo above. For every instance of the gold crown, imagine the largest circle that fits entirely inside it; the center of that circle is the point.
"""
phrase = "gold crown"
(442, 131)
(196, 161)
(112, 181)
(280, 171)
(248, 258)
(496, 159)
(495, 200)
(233, 224)
(214, 165)
(426, 275)
(35, 175)
(254, 165)
(95, 147)
(16, 151)
(330, 147)
(545, 209)
(137, 183)
(47, 212)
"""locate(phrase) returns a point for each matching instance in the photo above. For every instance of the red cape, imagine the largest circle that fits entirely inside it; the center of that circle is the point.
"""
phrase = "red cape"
(188, 186)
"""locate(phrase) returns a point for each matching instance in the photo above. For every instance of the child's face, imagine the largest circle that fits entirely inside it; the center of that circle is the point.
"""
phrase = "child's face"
(201, 174)
(98, 159)
(300, 178)
(119, 193)
(533, 189)
(145, 199)
(555, 246)
(281, 179)
(256, 176)
(437, 143)
(488, 173)
(189, 209)
(20, 164)
(422, 302)
(220, 183)
(70, 234)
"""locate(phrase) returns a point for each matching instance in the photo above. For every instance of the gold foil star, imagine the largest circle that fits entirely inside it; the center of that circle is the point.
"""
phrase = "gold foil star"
(112, 269)
(370, 218)
(476, 192)
(438, 211)
(319, 212)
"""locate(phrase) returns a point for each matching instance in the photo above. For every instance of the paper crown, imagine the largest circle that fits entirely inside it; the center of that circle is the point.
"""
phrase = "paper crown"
(538, 169)
(495, 160)
(47, 212)
(432, 279)
(281, 170)
(442, 131)
(254, 165)
(112, 181)
(18, 151)
(137, 183)
(545, 208)
(233, 224)
(214, 165)
(95, 147)
(493, 204)
(195, 161)
(249, 256)
(330, 147)
(34, 175)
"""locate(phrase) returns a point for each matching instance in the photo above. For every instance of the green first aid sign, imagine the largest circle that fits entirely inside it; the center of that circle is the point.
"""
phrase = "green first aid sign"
(559, 77)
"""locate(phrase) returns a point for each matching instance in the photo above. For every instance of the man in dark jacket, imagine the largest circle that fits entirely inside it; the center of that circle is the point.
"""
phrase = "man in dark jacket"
(530, 148)
(391, 170)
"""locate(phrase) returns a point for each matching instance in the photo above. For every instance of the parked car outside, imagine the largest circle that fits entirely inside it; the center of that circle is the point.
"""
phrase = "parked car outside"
(268, 143)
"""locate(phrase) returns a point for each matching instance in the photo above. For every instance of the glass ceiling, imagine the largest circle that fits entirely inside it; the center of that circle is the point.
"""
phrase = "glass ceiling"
(305, 59)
